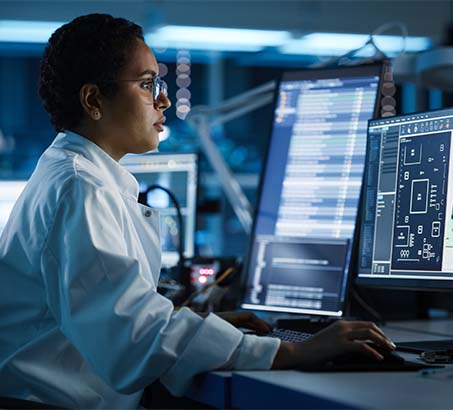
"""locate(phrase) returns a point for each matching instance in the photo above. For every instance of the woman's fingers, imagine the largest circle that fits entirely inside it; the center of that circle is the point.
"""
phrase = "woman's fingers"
(371, 335)
(365, 331)
(246, 320)
(371, 325)
(259, 325)
(366, 349)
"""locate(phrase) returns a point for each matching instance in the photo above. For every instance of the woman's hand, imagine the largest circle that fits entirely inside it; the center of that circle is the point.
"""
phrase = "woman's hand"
(340, 337)
(246, 320)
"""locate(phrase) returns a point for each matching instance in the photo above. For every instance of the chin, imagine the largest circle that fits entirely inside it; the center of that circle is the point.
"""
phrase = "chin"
(147, 146)
(153, 147)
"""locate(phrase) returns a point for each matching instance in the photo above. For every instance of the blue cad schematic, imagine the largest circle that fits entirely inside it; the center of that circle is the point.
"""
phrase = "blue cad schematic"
(407, 222)
(406, 236)
(421, 202)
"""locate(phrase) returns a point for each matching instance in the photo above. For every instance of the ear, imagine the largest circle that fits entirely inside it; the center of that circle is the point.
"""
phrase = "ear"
(90, 99)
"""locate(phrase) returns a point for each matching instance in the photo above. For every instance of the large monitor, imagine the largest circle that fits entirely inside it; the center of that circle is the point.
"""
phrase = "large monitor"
(407, 223)
(305, 221)
(177, 172)
(9, 192)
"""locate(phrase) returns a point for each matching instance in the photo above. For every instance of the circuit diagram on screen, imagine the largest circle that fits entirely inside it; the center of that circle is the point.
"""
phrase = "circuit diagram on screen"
(421, 194)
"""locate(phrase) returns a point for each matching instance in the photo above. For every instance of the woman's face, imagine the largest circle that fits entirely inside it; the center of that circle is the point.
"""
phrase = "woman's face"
(132, 118)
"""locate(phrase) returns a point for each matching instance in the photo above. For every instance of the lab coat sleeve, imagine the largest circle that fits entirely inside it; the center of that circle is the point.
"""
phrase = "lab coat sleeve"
(252, 353)
(106, 303)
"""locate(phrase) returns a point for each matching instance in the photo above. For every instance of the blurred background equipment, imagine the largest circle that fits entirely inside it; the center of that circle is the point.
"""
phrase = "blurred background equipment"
(9, 192)
(203, 119)
(178, 173)
(215, 283)
(208, 53)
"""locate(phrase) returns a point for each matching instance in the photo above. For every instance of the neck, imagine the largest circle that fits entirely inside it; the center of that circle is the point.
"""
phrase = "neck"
(98, 137)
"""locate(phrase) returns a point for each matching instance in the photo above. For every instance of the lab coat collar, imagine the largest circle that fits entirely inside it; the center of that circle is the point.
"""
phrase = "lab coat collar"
(112, 172)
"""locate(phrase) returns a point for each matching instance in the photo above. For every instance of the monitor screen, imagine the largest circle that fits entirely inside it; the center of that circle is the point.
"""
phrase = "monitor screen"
(177, 172)
(407, 222)
(9, 192)
(305, 218)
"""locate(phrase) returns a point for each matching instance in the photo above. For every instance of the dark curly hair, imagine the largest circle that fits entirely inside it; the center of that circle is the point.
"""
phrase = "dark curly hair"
(89, 49)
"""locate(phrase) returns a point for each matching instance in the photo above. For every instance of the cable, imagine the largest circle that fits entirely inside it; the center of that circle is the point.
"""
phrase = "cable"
(385, 27)
(180, 222)
(374, 313)
(345, 59)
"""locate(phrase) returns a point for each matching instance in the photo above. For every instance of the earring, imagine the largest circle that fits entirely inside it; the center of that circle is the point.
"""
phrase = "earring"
(96, 115)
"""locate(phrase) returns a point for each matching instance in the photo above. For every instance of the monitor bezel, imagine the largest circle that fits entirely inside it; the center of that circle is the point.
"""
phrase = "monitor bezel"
(398, 284)
(310, 73)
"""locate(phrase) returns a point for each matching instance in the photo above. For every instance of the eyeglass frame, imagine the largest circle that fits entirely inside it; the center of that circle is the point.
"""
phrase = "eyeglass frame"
(159, 86)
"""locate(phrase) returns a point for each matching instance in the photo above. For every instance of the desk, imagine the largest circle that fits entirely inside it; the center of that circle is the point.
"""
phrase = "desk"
(213, 389)
(302, 390)
(395, 390)
(296, 389)
(435, 327)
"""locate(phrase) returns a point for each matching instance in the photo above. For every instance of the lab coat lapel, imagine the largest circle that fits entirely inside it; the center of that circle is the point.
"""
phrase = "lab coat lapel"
(146, 221)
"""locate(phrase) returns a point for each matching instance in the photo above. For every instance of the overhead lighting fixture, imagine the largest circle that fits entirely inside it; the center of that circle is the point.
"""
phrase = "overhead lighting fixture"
(24, 31)
(231, 39)
(215, 38)
(337, 44)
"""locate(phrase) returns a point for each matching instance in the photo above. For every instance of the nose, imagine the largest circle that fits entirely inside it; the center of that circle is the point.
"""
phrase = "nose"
(163, 102)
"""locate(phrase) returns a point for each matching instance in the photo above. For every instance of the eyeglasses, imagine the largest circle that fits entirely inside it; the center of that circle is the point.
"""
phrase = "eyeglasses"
(155, 86)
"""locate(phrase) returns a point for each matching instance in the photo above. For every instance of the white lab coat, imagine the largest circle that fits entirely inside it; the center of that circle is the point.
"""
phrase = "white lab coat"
(81, 323)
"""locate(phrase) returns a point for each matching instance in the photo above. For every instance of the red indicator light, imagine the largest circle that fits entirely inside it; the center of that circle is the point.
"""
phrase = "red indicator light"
(206, 271)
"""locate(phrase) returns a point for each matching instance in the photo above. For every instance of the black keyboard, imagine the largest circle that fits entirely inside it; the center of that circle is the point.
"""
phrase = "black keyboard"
(311, 326)
(288, 335)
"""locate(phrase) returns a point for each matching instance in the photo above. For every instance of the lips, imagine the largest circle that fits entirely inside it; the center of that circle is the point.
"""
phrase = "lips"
(159, 125)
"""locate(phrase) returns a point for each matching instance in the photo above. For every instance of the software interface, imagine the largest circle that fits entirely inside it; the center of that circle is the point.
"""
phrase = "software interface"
(178, 173)
(306, 214)
(407, 227)
(9, 192)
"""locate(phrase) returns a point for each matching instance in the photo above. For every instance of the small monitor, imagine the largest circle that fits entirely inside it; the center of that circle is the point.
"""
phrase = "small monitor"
(305, 221)
(407, 222)
(9, 192)
(177, 172)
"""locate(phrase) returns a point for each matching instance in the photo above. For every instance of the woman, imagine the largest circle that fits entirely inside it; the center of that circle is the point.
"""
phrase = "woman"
(81, 323)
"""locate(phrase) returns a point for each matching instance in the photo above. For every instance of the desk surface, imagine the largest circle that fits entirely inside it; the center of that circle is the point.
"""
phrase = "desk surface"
(435, 327)
(213, 389)
(384, 390)
(400, 332)
(295, 389)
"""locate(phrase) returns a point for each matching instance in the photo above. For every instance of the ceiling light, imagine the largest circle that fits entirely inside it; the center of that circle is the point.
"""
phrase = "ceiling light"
(23, 31)
(337, 44)
(215, 38)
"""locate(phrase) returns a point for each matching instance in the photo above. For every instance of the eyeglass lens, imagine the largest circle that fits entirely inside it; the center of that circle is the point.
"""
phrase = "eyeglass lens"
(160, 86)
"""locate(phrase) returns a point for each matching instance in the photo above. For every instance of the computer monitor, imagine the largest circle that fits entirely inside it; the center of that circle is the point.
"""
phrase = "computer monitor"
(407, 222)
(305, 221)
(177, 172)
(9, 192)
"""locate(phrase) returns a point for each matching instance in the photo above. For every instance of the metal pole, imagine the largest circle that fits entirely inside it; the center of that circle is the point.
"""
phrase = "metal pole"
(201, 118)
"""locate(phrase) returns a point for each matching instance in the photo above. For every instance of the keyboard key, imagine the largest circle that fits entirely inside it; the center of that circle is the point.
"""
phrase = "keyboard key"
(288, 335)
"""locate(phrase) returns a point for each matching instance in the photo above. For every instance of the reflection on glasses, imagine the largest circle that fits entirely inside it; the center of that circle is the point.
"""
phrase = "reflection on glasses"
(155, 86)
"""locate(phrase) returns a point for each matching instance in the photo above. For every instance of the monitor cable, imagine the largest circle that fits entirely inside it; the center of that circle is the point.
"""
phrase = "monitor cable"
(347, 58)
(375, 315)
